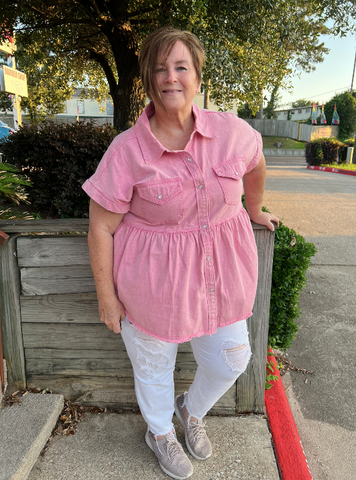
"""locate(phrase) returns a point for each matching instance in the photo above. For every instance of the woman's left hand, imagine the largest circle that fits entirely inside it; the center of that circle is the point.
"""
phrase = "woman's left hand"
(267, 219)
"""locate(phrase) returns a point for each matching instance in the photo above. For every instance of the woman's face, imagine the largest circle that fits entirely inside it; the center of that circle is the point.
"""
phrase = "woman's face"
(176, 79)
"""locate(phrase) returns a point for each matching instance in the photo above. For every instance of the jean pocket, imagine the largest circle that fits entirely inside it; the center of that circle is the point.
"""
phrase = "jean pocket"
(162, 201)
(229, 175)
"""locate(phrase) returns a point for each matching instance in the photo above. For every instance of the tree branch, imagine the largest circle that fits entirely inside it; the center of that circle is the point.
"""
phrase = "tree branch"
(106, 67)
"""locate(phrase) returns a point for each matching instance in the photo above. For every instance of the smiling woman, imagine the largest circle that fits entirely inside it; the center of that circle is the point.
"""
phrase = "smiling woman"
(171, 247)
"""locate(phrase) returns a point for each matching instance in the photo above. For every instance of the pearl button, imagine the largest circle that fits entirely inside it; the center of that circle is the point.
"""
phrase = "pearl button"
(237, 174)
(159, 196)
(208, 258)
(204, 226)
(211, 289)
(200, 186)
(189, 159)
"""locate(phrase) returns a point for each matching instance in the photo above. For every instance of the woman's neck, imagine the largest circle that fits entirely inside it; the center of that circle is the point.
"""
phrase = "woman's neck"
(171, 130)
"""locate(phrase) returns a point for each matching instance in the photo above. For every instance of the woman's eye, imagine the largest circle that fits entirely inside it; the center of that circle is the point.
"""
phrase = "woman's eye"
(181, 68)
(160, 70)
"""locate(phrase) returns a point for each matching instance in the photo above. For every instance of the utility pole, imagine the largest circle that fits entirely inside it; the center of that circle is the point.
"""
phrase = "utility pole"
(353, 74)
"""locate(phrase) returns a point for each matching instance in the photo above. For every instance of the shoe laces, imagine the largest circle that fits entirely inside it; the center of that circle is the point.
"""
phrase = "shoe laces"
(198, 429)
(172, 447)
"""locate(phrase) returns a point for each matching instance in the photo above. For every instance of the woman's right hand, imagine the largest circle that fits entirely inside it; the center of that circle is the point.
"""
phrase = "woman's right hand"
(112, 313)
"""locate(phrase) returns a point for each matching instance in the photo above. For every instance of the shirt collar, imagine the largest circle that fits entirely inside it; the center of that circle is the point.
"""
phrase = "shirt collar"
(151, 148)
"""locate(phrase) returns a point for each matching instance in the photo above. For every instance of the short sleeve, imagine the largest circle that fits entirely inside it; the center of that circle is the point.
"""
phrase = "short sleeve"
(256, 140)
(111, 186)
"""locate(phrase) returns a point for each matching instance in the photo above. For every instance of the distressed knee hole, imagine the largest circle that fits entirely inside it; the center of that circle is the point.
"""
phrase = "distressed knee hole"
(152, 361)
(236, 355)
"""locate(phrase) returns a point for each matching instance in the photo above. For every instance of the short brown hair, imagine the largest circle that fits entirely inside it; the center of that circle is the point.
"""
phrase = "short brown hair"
(162, 41)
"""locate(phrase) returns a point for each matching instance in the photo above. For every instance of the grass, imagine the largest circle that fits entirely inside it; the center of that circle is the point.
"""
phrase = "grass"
(342, 166)
(269, 142)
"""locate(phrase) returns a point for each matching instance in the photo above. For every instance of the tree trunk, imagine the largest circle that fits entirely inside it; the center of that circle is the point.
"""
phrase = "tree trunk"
(129, 100)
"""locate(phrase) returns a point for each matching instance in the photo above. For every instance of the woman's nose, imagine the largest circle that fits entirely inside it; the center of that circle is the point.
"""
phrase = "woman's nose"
(170, 75)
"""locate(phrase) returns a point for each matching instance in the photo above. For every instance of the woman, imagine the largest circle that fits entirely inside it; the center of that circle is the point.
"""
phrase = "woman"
(171, 247)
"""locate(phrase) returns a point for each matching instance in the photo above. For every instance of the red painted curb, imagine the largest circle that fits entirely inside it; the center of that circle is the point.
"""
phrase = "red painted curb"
(333, 170)
(290, 455)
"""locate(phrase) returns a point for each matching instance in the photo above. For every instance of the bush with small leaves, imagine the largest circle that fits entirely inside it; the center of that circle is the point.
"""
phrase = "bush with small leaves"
(57, 159)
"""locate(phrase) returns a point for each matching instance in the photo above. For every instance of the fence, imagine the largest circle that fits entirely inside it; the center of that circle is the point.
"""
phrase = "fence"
(294, 130)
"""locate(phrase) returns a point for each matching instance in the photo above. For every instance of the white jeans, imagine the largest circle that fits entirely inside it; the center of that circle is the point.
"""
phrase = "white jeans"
(221, 358)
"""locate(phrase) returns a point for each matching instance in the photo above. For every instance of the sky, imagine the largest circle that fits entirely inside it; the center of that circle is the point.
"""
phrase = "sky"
(330, 77)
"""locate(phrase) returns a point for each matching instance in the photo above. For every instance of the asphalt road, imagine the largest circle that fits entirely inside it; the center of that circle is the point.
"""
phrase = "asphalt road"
(321, 206)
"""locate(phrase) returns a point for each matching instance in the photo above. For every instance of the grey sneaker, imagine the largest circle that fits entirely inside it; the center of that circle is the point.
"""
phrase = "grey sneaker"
(196, 438)
(170, 455)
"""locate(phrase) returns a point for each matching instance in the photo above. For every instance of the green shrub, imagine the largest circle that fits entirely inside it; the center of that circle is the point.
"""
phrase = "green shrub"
(313, 153)
(291, 260)
(322, 151)
(57, 159)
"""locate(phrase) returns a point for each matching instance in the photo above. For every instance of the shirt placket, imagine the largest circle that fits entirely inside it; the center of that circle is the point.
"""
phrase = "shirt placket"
(206, 237)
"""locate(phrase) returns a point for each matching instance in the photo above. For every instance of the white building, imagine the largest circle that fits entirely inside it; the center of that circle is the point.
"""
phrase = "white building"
(302, 113)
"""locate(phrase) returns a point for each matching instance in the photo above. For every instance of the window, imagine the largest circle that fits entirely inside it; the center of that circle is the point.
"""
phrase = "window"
(300, 110)
(80, 107)
(109, 108)
(307, 110)
(286, 113)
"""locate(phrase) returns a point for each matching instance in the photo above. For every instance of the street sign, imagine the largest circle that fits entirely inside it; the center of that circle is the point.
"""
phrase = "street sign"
(13, 81)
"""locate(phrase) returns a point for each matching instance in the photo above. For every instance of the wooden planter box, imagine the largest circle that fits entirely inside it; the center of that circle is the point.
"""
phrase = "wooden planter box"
(53, 338)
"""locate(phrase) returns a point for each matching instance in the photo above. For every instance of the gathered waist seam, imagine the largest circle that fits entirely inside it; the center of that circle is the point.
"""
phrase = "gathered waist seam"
(183, 231)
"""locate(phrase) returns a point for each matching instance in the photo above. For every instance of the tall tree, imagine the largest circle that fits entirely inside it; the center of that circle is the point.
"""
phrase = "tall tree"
(250, 45)
(346, 108)
(302, 103)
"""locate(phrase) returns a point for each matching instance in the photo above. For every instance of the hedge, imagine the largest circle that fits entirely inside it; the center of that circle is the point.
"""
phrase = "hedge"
(57, 159)
(323, 151)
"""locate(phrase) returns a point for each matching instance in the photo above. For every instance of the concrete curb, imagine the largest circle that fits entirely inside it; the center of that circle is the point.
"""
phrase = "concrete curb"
(333, 170)
(283, 152)
(24, 431)
(290, 455)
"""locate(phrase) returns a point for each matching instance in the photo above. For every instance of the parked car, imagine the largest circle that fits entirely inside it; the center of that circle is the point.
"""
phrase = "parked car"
(5, 130)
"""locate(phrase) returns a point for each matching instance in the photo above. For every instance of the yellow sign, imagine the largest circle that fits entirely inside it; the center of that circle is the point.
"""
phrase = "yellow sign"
(14, 82)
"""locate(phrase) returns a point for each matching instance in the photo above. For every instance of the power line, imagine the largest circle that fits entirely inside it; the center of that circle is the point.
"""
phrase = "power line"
(318, 95)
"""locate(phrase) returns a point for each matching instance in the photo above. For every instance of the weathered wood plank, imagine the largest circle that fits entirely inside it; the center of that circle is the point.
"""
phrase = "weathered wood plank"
(58, 225)
(52, 225)
(114, 392)
(251, 387)
(113, 367)
(10, 314)
(57, 280)
(81, 308)
(75, 337)
(43, 251)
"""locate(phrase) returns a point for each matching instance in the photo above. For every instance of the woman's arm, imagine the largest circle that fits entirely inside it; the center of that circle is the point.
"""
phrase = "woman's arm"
(102, 226)
(254, 185)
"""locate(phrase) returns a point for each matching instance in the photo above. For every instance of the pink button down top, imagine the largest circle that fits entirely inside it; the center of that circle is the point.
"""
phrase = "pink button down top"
(185, 259)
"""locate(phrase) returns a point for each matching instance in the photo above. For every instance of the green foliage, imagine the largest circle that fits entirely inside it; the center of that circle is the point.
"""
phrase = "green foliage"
(58, 158)
(346, 108)
(291, 260)
(12, 184)
(302, 103)
(322, 151)
(270, 111)
(269, 376)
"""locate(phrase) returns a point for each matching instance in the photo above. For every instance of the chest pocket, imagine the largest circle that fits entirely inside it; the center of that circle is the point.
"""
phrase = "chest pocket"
(229, 175)
(162, 201)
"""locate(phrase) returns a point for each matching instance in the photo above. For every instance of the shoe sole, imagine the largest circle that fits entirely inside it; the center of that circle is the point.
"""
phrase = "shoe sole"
(148, 441)
(179, 416)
